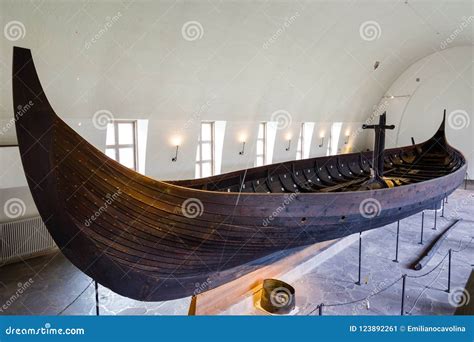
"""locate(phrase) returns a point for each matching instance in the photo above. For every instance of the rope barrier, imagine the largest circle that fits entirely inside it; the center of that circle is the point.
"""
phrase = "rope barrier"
(460, 244)
(358, 300)
(396, 281)
(75, 299)
(434, 268)
(353, 301)
(425, 289)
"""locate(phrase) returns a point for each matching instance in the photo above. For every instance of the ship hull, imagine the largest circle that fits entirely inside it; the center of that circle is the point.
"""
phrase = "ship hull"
(154, 240)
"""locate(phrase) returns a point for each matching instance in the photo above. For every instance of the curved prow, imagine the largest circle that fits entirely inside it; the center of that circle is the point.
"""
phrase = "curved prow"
(438, 141)
(27, 89)
(440, 133)
(34, 123)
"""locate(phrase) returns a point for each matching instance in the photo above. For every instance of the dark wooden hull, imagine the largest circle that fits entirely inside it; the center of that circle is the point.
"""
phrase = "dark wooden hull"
(146, 243)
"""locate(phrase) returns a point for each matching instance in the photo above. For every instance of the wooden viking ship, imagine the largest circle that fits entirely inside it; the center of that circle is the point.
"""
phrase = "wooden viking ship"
(156, 240)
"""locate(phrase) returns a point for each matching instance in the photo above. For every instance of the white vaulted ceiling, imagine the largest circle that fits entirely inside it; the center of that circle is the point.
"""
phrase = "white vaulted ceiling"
(317, 66)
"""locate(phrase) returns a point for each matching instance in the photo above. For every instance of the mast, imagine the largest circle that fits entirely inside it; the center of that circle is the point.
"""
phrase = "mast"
(379, 144)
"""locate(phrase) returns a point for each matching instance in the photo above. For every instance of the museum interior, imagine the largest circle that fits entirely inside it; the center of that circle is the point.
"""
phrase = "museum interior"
(236, 157)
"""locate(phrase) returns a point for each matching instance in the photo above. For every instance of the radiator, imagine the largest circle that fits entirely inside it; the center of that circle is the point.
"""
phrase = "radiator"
(24, 239)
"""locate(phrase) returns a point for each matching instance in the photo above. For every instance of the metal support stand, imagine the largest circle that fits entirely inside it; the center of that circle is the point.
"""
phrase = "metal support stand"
(436, 217)
(422, 225)
(96, 298)
(446, 199)
(404, 279)
(360, 257)
(320, 309)
(398, 235)
(442, 211)
(449, 271)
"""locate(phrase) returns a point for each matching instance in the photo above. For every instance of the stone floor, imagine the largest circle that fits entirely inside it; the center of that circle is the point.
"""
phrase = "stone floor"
(51, 285)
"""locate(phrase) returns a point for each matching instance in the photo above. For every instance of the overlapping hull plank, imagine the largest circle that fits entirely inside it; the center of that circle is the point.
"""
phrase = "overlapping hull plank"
(131, 234)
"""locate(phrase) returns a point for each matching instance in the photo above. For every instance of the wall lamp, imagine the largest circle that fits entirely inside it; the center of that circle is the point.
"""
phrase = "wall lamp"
(288, 137)
(243, 149)
(322, 141)
(175, 158)
(176, 141)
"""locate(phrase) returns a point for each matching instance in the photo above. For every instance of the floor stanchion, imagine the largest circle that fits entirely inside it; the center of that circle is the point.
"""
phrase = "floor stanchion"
(449, 271)
(404, 278)
(422, 225)
(96, 286)
(360, 258)
(398, 236)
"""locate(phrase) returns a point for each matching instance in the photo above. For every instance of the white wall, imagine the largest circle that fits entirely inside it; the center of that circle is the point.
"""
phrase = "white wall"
(11, 172)
(446, 82)
(252, 59)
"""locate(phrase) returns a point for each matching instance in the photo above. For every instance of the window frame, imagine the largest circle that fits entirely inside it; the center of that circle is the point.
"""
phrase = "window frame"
(116, 146)
(264, 144)
(300, 145)
(200, 162)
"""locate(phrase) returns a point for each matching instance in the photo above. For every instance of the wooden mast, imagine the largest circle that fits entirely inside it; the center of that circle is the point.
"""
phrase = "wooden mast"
(379, 145)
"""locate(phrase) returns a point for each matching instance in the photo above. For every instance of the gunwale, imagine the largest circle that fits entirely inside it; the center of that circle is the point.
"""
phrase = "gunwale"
(236, 238)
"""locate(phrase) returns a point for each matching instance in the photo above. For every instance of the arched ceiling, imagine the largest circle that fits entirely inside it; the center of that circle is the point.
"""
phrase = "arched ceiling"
(250, 59)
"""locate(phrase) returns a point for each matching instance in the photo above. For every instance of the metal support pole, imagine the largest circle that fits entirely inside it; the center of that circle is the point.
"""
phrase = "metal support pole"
(96, 298)
(360, 257)
(442, 211)
(449, 271)
(320, 309)
(422, 224)
(436, 217)
(447, 199)
(398, 235)
(404, 278)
